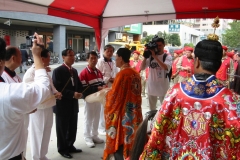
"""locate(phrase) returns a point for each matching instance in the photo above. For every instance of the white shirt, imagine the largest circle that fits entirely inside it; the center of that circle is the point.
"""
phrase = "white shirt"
(158, 83)
(108, 69)
(29, 78)
(8, 79)
(16, 100)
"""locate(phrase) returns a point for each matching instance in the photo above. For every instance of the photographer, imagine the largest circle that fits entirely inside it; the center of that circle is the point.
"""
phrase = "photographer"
(158, 82)
(17, 100)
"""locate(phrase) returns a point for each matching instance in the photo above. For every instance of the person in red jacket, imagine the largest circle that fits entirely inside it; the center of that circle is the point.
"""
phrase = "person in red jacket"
(136, 62)
(175, 71)
(185, 65)
(225, 69)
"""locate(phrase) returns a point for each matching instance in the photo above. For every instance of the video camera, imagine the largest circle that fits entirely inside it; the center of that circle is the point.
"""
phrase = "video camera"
(152, 45)
(29, 40)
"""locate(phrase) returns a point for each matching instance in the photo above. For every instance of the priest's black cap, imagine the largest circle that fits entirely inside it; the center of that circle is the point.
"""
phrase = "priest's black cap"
(209, 51)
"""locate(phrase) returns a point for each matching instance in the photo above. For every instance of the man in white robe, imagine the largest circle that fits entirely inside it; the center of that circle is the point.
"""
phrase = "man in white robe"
(109, 70)
(40, 124)
(13, 60)
(17, 100)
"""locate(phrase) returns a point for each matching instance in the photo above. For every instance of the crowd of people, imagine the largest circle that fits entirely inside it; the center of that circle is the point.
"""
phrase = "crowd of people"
(198, 117)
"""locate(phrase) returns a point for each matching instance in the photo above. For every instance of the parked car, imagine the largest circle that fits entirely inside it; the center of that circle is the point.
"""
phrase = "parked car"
(171, 49)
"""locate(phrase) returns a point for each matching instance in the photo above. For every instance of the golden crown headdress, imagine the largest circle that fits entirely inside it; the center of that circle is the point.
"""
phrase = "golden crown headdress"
(128, 46)
(215, 25)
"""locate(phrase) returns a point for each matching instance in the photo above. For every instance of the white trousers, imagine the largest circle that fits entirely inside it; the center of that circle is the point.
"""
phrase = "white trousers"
(39, 131)
(101, 125)
(26, 124)
(153, 101)
(91, 119)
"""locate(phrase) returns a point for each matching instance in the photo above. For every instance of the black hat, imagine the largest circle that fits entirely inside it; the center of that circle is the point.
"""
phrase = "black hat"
(209, 51)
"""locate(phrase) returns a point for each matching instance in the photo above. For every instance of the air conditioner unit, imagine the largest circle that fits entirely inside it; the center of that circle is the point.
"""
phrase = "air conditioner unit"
(118, 35)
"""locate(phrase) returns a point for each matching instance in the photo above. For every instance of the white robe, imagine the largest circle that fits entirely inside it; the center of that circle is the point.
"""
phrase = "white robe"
(16, 100)
(41, 121)
(16, 79)
(109, 70)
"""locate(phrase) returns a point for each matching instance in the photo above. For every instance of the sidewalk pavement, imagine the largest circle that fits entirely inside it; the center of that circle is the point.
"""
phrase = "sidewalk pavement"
(88, 153)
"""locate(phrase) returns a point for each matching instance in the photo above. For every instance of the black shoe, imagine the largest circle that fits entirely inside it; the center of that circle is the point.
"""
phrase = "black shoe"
(75, 150)
(66, 155)
(20, 71)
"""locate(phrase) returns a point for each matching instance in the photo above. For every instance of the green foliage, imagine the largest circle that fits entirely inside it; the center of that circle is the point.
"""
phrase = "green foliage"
(231, 36)
(174, 39)
(147, 39)
(166, 37)
(189, 44)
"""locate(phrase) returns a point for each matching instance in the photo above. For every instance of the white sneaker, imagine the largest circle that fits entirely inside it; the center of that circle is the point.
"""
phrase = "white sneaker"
(97, 140)
(89, 142)
(102, 133)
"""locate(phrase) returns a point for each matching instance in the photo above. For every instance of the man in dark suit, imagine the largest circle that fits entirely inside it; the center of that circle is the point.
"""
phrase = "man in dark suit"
(65, 79)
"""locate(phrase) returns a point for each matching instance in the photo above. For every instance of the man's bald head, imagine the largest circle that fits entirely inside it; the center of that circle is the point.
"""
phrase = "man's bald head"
(13, 57)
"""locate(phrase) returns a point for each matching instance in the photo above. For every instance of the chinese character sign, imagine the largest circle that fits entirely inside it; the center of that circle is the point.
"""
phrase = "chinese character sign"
(174, 27)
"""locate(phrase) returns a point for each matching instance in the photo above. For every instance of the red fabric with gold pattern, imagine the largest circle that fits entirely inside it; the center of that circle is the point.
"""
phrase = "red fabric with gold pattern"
(187, 127)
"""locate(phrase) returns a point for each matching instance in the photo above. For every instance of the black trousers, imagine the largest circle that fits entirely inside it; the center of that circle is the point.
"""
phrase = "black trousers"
(66, 128)
(118, 155)
(19, 157)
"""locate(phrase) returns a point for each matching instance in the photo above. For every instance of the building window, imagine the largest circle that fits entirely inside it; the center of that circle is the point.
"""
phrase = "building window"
(204, 24)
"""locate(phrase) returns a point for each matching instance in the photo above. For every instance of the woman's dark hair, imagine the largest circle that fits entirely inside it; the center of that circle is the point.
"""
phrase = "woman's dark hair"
(10, 51)
(44, 53)
(109, 46)
(2, 49)
(66, 51)
(92, 53)
(124, 53)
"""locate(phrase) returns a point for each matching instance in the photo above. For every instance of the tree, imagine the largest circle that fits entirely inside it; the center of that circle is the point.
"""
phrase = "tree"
(231, 36)
(189, 44)
(166, 37)
(174, 39)
(147, 39)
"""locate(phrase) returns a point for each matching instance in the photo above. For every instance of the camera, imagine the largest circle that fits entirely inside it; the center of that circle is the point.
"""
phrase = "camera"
(29, 40)
(152, 45)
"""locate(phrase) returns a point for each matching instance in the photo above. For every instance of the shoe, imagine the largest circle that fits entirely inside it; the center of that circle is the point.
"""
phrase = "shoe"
(89, 142)
(97, 140)
(20, 71)
(75, 150)
(102, 133)
(66, 155)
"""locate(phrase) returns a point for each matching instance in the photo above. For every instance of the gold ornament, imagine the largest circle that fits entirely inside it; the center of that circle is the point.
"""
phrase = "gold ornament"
(215, 25)
(128, 46)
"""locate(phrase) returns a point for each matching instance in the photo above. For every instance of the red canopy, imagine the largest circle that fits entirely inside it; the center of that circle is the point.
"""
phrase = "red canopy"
(105, 14)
